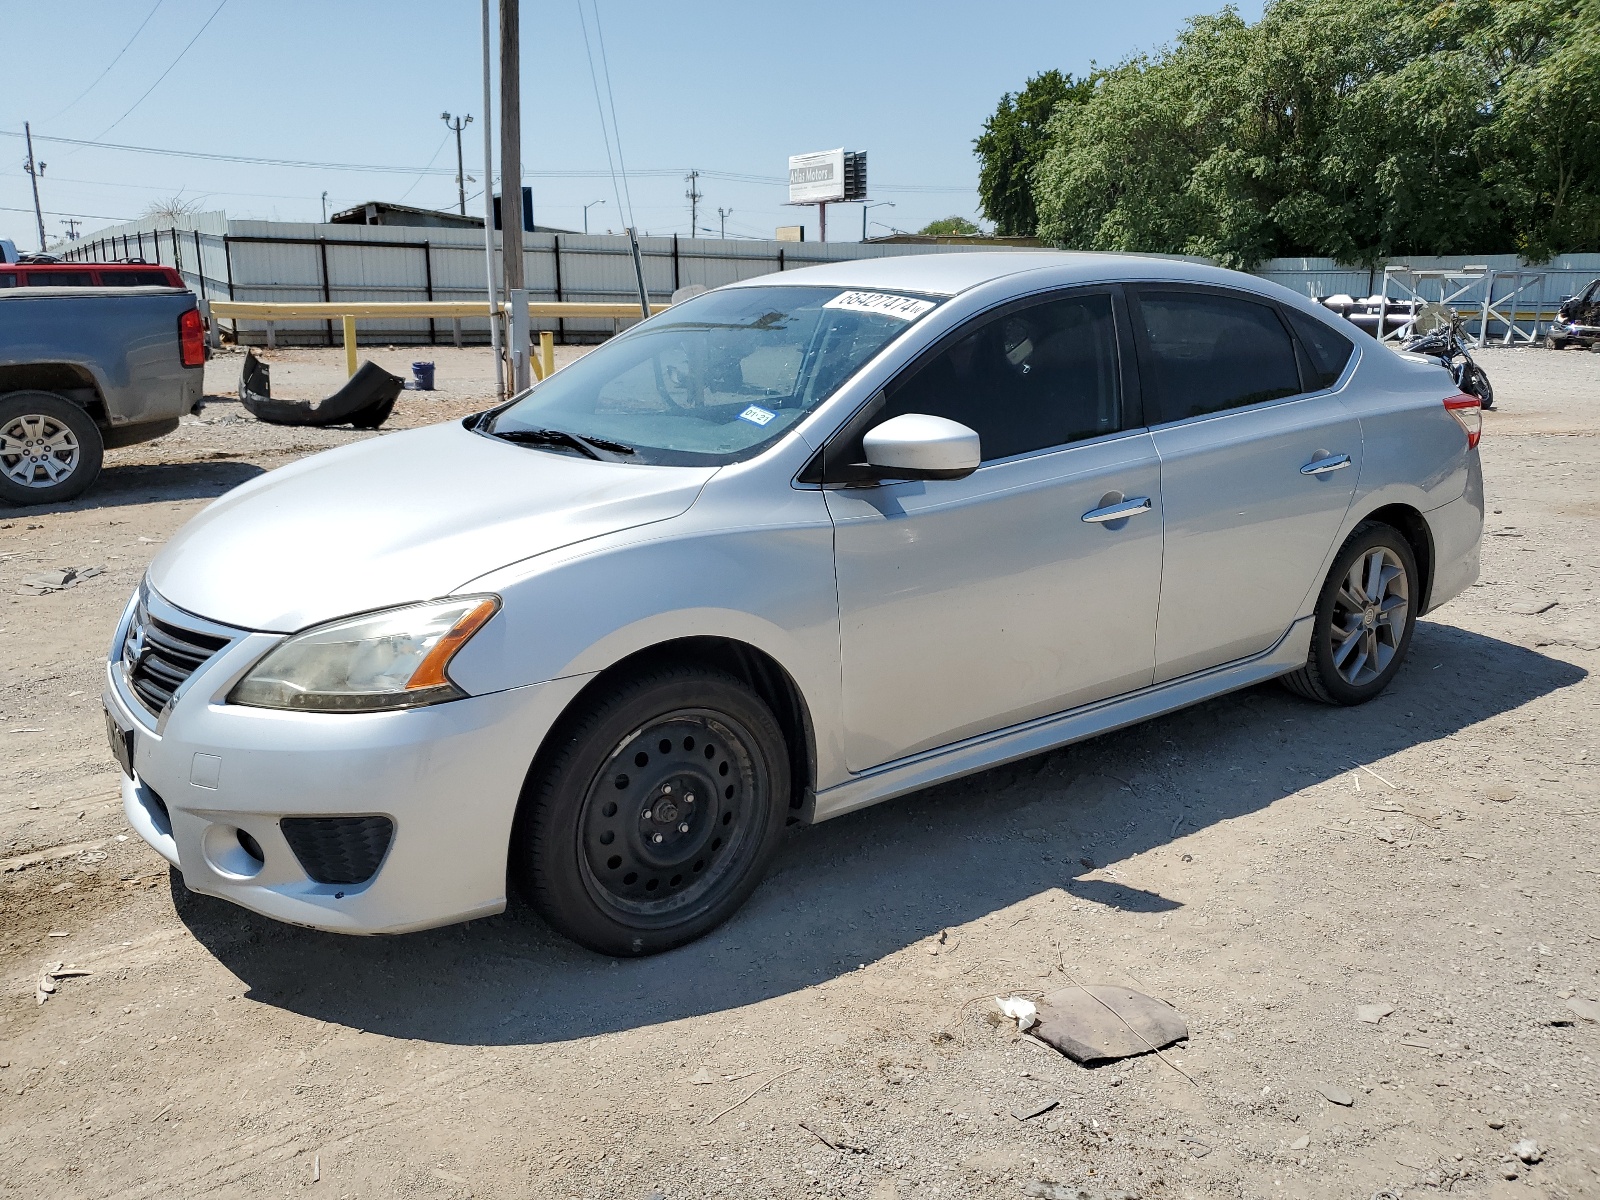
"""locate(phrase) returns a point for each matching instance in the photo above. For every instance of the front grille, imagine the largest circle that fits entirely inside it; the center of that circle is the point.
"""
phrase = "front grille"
(160, 654)
(338, 849)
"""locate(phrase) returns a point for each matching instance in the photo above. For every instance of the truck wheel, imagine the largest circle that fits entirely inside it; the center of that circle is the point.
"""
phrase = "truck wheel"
(653, 812)
(50, 450)
(1364, 618)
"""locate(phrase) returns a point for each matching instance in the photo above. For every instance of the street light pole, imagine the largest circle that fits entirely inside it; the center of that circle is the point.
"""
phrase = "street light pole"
(324, 208)
(457, 126)
(865, 207)
(586, 209)
(722, 215)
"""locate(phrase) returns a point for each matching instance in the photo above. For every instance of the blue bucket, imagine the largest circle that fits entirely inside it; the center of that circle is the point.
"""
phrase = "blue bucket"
(424, 375)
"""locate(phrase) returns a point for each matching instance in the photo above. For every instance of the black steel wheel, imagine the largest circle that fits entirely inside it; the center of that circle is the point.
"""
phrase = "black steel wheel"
(1365, 616)
(651, 818)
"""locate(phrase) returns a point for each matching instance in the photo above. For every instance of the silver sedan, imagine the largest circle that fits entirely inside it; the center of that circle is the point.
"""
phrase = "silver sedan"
(790, 548)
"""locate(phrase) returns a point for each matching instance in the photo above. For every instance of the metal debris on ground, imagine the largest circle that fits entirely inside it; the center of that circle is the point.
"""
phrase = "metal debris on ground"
(365, 401)
(58, 580)
(1097, 1023)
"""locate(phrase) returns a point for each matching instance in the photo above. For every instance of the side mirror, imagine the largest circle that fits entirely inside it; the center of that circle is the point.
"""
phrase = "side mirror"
(918, 446)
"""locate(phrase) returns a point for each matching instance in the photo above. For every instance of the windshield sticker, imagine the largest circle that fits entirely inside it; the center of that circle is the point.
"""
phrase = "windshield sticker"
(902, 308)
(756, 416)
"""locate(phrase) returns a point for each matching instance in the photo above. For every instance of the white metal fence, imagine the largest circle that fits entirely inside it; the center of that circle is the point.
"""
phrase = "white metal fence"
(275, 260)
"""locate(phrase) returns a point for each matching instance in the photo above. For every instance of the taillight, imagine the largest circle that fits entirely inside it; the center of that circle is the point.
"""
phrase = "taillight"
(1468, 413)
(192, 339)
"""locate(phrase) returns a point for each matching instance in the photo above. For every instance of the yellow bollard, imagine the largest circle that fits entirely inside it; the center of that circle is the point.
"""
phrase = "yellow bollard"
(533, 364)
(547, 352)
(350, 345)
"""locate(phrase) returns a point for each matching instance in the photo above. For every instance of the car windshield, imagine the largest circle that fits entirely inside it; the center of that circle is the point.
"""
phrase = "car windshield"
(713, 380)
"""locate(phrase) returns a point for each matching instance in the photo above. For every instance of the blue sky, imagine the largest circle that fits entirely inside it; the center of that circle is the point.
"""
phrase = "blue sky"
(728, 88)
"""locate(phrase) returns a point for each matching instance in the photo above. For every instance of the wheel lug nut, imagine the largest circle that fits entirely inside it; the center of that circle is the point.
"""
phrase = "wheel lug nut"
(688, 798)
(666, 790)
(647, 814)
(657, 838)
(684, 828)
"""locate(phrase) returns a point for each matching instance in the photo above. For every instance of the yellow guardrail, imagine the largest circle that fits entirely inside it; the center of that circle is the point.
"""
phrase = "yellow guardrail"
(349, 312)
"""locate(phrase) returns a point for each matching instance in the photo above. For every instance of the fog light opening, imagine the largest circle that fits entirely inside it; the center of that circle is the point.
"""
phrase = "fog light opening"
(251, 847)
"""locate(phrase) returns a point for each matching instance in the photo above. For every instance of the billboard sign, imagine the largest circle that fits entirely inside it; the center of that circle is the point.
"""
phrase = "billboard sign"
(816, 178)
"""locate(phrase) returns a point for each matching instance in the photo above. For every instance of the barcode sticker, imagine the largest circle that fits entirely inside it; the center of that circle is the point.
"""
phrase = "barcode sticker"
(902, 308)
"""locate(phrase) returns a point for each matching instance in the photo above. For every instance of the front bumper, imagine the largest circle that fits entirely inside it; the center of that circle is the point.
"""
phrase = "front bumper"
(448, 776)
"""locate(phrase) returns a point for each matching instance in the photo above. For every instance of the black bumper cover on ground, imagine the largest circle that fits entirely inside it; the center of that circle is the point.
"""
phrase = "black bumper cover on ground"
(365, 401)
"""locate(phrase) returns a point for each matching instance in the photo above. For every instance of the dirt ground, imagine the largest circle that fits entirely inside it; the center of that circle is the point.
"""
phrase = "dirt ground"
(1264, 864)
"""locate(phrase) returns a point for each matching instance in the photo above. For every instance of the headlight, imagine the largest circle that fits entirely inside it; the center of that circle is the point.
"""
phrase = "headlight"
(392, 659)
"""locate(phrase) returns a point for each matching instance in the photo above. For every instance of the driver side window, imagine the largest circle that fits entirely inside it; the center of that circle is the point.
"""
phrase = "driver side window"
(1029, 379)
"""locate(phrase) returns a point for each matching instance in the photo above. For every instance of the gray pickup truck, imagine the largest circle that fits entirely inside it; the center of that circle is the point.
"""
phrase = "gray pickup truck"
(86, 369)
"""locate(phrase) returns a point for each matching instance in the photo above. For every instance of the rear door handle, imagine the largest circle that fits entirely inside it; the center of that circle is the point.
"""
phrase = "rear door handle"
(1321, 466)
(1131, 507)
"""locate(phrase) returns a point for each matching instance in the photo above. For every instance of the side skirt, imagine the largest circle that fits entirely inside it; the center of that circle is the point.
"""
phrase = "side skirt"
(1047, 733)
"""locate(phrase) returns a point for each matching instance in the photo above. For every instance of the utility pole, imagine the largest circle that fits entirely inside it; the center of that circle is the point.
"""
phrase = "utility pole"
(72, 228)
(488, 212)
(324, 208)
(693, 196)
(511, 187)
(586, 209)
(461, 170)
(34, 171)
(722, 215)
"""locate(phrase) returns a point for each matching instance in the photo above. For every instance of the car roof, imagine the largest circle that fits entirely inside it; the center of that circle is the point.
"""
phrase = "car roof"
(949, 273)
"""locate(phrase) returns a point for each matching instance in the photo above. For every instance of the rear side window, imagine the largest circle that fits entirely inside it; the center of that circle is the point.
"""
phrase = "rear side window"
(1326, 350)
(1029, 379)
(8, 279)
(134, 279)
(60, 278)
(1202, 352)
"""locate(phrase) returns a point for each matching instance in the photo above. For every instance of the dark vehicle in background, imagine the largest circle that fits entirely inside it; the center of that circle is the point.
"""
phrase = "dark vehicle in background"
(1446, 345)
(1577, 322)
(84, 368)
(60, 274)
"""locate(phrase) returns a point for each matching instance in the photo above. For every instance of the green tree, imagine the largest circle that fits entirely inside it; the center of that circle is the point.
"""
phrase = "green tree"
(1012, 142)
(1353, 129)
(950, 227)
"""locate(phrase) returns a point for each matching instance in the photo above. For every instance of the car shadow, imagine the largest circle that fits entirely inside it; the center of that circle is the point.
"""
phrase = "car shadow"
(143, 483)
(864, 886)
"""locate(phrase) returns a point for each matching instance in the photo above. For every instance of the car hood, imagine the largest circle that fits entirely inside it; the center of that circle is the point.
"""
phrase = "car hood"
(404, 517)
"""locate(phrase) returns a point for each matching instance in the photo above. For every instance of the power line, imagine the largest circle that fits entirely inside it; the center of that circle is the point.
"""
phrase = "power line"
(168, 71)
(421, 174)
(605, 132)
(616, 130)
(52, 213)
(377, 169)
(112, 63)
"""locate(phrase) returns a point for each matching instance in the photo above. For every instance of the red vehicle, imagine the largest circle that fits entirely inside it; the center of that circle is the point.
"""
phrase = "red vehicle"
(65, 274)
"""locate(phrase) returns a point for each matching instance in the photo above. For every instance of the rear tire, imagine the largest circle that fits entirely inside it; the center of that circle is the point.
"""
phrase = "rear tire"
(652, 813)
(50, 449)
(1364, 619)
(1476, 382)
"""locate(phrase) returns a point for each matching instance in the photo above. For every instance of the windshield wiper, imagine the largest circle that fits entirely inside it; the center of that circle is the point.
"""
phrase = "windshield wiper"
(603, 449)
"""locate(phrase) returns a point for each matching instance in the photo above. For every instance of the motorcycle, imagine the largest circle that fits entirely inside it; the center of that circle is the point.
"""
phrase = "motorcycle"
(1449, 347)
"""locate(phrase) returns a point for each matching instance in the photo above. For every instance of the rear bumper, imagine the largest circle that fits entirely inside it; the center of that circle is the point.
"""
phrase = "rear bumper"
(447, 776)
(1457, 532)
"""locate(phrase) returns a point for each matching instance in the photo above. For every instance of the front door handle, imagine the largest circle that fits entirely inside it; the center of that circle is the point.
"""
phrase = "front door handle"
(1131, 507)
(1321, 466)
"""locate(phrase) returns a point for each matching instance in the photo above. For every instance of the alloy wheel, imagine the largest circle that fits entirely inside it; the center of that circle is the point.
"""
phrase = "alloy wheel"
(1369, 616)
(38, 451)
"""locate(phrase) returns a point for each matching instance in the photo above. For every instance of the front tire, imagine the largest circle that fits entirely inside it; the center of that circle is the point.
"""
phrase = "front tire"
(1364, 619)
(50, 450)
(652, 814)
